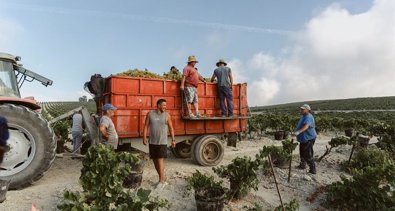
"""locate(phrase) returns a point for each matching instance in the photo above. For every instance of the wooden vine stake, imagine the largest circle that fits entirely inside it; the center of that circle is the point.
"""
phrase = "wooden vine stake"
(290, 164)
(275, 180)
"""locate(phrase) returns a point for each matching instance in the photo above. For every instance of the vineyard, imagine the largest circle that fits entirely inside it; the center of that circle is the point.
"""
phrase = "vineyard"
(55, 109)
(371, 103)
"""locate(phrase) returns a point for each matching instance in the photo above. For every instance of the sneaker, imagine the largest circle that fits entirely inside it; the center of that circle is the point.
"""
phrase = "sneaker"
(223, 116)
(230, 115)
(191, 115)
(198, 115)
(161, 185)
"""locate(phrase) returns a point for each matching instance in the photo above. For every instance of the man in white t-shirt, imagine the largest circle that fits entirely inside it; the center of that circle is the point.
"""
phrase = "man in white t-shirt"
(108, 133)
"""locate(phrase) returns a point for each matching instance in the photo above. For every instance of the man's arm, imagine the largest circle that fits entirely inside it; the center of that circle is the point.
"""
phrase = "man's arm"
(146, 125)
(230, 78)
(170, 124)
(182, 82)
(213, 77)
(302, 129)
(103, 130)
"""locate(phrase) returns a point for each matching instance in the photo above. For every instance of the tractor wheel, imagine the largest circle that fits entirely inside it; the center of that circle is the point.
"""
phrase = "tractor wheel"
(182, 150)
(32, 146)
(208, 151)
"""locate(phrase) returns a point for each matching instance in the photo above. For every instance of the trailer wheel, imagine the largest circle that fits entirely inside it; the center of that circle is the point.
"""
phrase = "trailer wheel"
(193, 147)
(182, 150)
(208, 150)
(32, 146)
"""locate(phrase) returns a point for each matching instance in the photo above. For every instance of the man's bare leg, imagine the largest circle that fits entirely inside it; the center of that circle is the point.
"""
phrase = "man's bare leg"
(160, 169)
(196, 105)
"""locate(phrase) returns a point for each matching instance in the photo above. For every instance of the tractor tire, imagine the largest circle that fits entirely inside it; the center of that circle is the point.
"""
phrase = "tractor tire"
(32, 146)
(182, 150)
(208, 151)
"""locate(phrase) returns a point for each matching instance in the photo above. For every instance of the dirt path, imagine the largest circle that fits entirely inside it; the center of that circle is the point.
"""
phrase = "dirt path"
(65, 172)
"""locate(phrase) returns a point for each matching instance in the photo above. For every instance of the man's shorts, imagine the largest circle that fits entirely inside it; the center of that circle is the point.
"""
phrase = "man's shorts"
(157, 151)
(191, 94)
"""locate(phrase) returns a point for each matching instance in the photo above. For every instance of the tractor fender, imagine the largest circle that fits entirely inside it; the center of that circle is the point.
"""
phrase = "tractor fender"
(27, 102)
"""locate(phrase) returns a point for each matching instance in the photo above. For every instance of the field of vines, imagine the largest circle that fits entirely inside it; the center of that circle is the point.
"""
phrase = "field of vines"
(55, 109)
(371, 103)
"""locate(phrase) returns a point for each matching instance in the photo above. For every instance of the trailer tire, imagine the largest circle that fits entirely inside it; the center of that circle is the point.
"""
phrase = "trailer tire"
(182, 150)
(32, 146)
(209, 150)
(193, 147)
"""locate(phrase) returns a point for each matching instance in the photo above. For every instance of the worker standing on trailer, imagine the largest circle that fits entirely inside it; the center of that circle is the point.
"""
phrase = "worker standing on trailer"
(4, 135)
(189, 84)
(305, 134)
(159, 122)
(224, 85)
(108, 133)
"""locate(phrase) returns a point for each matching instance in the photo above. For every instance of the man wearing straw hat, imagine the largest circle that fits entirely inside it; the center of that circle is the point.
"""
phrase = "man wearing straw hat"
(189, 84)
(225, 82)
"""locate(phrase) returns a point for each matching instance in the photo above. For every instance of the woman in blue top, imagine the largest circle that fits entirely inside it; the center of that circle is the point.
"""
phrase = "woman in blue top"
(305, 134)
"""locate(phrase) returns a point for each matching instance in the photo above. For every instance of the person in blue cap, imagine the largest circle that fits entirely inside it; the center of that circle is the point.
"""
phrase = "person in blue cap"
(305, 134)
(108, 133)
(4, 136)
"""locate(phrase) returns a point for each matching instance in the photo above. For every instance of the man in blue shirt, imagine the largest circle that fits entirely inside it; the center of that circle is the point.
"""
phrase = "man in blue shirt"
(225, 83)
(305, 134)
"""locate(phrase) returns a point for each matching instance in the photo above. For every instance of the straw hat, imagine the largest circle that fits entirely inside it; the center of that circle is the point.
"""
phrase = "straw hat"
(221, 61)
(192, 59)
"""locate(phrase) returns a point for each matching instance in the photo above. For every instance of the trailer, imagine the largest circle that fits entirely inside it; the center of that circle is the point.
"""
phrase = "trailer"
(199, 138)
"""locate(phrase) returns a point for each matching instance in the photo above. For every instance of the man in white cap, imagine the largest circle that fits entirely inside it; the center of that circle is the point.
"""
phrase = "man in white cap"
(224, 85)
(189, 84)
(108, 133)
(305, 134)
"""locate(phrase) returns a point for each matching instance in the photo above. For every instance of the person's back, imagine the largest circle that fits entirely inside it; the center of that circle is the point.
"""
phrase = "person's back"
(224, 77)
(222, 74)
(77, 123)
(77, 132)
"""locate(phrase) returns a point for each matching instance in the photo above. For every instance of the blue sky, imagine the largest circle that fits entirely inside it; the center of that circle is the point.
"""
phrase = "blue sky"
(285, 50)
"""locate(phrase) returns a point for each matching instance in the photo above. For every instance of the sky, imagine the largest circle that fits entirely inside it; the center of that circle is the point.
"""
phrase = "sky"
(285, 50)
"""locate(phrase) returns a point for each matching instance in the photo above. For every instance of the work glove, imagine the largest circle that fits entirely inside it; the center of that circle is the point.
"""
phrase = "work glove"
(295, 133)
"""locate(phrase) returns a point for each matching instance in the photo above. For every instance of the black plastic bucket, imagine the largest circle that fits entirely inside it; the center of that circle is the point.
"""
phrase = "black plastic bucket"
(3, 189)
(133, 180)
(210, 199)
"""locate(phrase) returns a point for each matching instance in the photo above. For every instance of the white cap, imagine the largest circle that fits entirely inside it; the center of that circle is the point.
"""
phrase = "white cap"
(305, 106)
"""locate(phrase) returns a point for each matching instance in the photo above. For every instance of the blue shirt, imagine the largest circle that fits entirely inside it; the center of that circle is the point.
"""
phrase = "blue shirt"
(308, 134)
(222, 73)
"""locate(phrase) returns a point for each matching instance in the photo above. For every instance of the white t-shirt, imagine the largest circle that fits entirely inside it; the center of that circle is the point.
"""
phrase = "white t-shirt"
(112, 133)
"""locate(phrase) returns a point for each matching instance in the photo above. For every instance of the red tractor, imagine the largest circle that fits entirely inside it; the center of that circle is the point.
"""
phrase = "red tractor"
(32, 141)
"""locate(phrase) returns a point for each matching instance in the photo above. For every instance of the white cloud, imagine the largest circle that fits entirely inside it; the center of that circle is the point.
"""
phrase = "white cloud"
(239, 76)
(336, 55)
(263, 91)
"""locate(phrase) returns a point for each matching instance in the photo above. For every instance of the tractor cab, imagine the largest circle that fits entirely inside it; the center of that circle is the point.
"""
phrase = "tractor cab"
(12, 77)
(8, 81)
